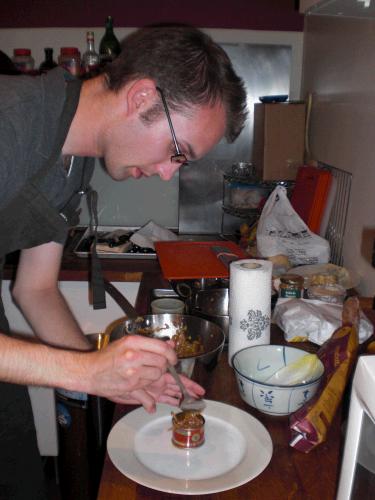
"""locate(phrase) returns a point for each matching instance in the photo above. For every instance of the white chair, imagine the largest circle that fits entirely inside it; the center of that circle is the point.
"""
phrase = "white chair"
(362, 403)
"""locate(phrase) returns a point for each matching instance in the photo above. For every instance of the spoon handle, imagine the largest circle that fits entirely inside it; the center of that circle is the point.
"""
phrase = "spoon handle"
(176, 376)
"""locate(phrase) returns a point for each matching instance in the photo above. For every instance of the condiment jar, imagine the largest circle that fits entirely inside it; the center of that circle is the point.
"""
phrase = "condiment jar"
(291, 286)
(188, 429)
(70, 59)
(23, 60)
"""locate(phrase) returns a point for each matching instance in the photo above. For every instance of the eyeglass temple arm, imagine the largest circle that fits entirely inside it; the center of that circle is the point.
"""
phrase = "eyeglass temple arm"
(169, 120)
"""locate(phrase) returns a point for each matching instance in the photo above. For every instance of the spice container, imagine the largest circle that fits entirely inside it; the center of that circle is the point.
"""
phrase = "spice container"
(291, 286)
(243, 169)
(70, 59)
(23, 60)
(188, 429)
(333, 294)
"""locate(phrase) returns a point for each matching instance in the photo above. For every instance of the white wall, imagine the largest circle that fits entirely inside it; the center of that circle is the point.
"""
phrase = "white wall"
(338, 70)
(134, 203)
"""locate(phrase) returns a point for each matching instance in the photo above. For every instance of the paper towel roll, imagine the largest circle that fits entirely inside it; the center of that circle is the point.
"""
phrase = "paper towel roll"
(249, 304)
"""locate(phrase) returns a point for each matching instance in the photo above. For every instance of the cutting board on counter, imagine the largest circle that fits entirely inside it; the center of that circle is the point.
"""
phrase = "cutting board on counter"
(195, 259)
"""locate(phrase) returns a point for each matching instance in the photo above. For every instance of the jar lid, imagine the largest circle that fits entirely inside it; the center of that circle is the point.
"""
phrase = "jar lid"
(292, 279)
(69, 50)
(243, 169)
(22, 52)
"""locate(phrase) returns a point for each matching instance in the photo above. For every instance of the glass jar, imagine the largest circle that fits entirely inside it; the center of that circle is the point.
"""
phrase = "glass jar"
(23, 60)
(291, 286)
(243, 169)
(70, 59)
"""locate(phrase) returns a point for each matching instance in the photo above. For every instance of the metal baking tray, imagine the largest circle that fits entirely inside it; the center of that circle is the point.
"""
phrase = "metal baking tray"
(82, 249)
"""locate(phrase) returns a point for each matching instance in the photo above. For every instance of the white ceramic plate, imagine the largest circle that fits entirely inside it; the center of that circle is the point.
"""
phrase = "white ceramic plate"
(237, 449)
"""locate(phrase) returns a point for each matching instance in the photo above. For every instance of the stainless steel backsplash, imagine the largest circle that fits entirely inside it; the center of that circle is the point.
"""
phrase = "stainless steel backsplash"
(266, 70)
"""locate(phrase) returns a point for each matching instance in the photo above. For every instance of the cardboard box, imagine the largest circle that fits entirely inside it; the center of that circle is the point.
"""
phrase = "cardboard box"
(279, 140)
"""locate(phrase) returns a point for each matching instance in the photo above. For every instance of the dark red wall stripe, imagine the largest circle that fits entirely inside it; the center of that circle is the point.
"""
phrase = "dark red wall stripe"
(237, 14)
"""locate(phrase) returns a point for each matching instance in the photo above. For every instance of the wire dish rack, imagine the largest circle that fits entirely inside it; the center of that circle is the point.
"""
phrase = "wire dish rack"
(337, 220)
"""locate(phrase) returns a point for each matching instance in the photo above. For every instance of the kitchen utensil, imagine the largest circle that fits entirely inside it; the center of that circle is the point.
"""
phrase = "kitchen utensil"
(181, 260)
(167, 325)
(254, 365)
(224, 255)
(237, 449)
(310, 194)
(121, 300)
(187, 402)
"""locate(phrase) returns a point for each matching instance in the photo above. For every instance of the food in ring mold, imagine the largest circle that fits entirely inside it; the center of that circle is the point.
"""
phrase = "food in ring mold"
(188, 429)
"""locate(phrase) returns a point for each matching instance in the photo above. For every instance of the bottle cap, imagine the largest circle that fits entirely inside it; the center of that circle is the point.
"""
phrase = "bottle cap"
(22, 52)
(69, 50)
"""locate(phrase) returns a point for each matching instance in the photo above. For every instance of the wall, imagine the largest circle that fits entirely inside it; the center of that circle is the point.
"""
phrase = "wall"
(338, 55)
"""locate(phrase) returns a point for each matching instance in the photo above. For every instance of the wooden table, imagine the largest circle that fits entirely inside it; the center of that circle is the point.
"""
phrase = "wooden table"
(290, 474)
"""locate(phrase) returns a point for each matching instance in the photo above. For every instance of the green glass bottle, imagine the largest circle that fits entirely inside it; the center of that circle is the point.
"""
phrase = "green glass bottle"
(109, 47)
(48, 62)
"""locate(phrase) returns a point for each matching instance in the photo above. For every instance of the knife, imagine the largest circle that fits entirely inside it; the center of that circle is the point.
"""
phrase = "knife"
(224, 255)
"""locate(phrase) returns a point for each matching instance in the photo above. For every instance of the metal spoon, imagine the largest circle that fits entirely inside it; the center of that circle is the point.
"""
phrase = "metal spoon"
(187, 403)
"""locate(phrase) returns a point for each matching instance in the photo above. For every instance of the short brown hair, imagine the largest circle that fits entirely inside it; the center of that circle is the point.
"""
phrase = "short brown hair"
(188, 65)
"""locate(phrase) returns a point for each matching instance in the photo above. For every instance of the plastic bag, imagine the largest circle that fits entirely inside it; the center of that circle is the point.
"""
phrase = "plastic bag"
(313, 320)
(282, 231)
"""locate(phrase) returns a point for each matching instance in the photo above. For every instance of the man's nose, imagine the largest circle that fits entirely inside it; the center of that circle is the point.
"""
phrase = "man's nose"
(167, 170)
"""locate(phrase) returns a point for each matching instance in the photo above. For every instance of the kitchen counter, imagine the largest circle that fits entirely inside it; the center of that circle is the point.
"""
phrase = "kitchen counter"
(290, 474)
(75, 268)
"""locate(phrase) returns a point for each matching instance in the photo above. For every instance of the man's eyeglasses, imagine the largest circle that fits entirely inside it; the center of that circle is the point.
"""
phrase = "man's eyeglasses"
(178, 157)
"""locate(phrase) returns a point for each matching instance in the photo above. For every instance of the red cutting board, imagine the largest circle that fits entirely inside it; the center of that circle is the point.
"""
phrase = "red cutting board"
(193, 259)
(310, 194)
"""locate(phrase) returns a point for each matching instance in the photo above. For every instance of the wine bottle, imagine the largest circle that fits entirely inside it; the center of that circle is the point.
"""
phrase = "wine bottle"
(90, 59)
(48, 62)
(109, 47)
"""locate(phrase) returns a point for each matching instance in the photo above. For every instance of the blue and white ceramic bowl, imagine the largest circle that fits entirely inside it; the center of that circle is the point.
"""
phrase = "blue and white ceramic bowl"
(253, 365)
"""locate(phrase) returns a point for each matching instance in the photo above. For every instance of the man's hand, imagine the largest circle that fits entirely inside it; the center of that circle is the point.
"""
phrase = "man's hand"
(132, 370)
(164, 390)
(126, 365)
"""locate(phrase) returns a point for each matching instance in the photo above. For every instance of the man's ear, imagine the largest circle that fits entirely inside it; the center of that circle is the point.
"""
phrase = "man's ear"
(141, 95)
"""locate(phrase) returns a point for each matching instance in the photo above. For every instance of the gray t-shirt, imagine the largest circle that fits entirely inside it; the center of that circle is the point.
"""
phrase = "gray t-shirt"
(30, 110)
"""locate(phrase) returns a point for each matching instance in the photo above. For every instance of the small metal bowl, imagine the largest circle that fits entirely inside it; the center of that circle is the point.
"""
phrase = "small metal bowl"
(167, 325)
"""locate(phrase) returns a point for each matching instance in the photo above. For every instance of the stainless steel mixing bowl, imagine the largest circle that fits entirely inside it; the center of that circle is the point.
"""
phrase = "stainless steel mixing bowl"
(166, 325)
